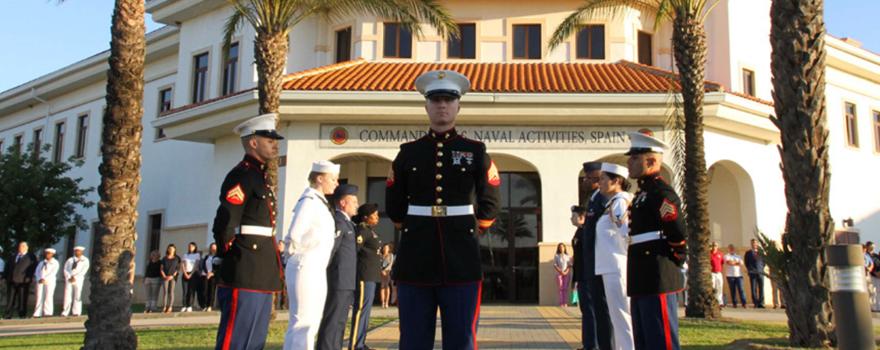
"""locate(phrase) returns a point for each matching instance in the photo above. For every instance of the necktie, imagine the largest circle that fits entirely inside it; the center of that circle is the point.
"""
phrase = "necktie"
(74, 263)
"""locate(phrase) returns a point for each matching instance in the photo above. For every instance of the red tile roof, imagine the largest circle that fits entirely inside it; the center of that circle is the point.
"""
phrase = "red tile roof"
(539, 77)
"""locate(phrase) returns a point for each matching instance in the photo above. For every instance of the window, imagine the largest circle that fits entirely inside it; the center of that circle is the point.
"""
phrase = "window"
(591, 42)
(164, 100)
(397, 42)
(748, 82)
(59, 142)
(230, 70)
(200, 77)
(82, 130)
(852, 127)
(71, 242)
(527, 41)
(876, 132)
(464, 46)
(38, 142)
(155, 238)
(16, 144)
(646, 56)
(96, 243)
(343, 45)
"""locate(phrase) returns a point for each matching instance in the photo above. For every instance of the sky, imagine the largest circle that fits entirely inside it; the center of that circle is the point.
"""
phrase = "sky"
(42, 36)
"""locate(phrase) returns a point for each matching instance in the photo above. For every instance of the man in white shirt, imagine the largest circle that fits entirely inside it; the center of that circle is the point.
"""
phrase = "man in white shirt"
(45, 275)
(733, 264)
(75, 269)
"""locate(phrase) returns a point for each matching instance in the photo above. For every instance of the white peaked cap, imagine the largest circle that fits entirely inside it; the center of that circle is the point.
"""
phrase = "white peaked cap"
(261, 125)
(50, 250)
(79, 247)
(325, 166)
(642, 143)
(615, 169)
(446, 82)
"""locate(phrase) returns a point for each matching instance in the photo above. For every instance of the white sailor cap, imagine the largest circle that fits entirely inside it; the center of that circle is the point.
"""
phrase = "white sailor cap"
(443, 82)
(49, 250)
(645, 142)
(615, 169)
(325, 166)
(261, 125)
(79, 247)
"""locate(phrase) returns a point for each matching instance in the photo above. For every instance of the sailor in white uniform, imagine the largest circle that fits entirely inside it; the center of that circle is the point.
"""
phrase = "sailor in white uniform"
(45, 276)
(612, 232)
(308, 245)
(75, 269)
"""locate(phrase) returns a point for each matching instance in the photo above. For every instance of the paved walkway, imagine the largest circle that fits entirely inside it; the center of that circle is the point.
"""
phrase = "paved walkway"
(501, 326)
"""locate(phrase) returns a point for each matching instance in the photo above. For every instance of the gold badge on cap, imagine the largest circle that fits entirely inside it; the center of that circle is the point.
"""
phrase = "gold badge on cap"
(441, 75)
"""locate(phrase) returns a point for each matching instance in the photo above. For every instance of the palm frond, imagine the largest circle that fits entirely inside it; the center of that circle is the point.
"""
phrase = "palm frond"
(232, 24)
(592, 9)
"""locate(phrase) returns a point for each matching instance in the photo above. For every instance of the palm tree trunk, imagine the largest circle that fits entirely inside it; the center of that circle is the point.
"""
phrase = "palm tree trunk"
(689, 40)
(270, 54)
(108, 325)
(798, 67)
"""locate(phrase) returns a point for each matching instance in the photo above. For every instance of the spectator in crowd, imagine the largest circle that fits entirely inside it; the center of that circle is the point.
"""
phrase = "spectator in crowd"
(206, 269)
(562, 264)
(716, 259)
(46, 275)
(75, 269)
(191, 280)
(153, 281)
(612, 234)
(387, 262)
(282, 295)
(733, 270)
(755, 266)
(2, 276)
(170, 269)
(867, 248)
(19, 274)
(874, 276)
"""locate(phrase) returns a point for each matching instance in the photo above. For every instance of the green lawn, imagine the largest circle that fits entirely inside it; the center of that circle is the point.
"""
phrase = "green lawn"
(695, 335)
(177, 338)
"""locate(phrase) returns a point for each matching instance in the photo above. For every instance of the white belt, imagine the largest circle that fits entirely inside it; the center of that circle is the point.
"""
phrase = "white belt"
(645, 237)
(440, 210)
(255, 230)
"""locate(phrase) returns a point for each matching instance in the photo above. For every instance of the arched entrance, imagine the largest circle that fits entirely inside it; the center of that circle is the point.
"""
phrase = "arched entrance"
(732, 215)
(369, 173)
(509, 251)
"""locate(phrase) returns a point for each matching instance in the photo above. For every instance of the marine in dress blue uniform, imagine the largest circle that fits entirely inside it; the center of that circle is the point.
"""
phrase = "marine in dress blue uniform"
(341, 272)
(442, 193)
(244, 230)
(657, 248)
(595, 322)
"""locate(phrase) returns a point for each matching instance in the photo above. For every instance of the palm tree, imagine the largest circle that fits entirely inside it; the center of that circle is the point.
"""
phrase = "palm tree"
(273, 19)
(798, 65)
(689, 50)
(108, 325)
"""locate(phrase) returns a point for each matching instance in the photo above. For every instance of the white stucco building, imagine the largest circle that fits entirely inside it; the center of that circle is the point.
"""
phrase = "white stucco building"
(349, 98)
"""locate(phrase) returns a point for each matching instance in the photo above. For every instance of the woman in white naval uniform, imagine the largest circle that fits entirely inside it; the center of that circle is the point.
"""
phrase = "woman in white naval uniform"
(612, 231)
(308, 245)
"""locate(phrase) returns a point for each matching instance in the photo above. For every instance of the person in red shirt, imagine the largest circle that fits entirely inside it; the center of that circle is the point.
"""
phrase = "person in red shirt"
(717, 259)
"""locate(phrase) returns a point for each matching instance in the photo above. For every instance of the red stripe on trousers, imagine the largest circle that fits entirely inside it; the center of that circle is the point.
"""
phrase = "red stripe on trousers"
(230, 322)
(666, 331)
(477, 313)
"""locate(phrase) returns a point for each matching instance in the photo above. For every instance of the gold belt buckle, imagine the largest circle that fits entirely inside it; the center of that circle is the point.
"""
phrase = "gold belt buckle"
(438, 210)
